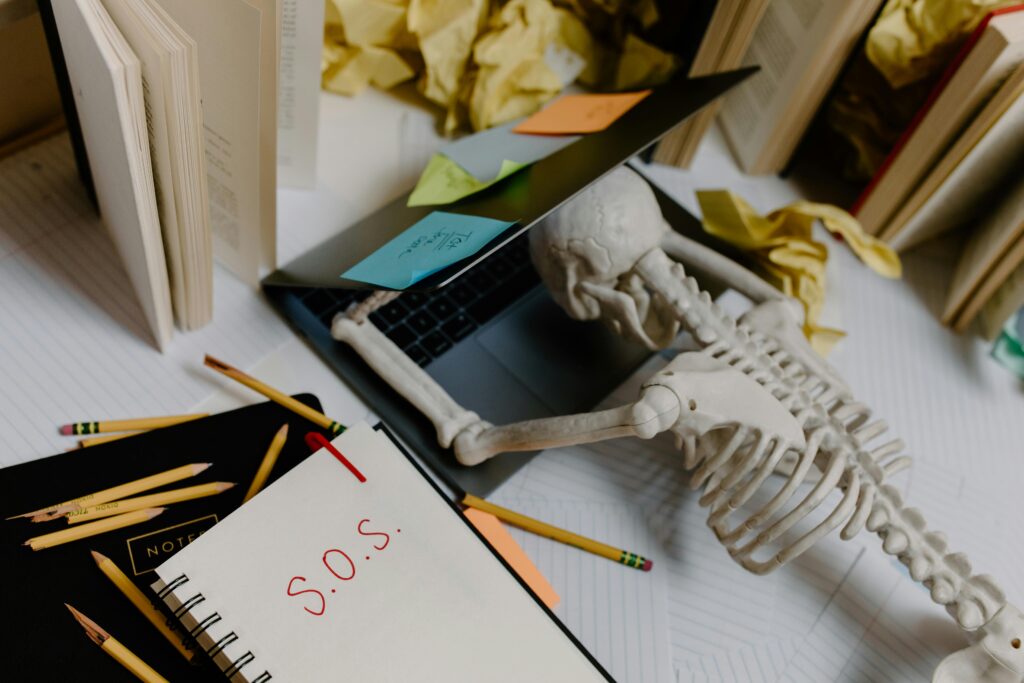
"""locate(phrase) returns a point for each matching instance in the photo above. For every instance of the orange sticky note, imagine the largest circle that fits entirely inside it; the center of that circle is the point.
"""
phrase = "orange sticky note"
(574, 114)
(499, 537)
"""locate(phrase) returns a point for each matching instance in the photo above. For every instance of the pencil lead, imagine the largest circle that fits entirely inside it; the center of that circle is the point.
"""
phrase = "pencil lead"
(225, 485)
(201, 467)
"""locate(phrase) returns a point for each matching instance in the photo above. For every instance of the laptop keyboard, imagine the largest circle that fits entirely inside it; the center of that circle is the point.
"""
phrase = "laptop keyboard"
(427, 324)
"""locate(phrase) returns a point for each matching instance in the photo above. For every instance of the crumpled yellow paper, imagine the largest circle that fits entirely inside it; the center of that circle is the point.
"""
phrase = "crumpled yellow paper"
(511, 76)
(486, 63)
(361, 43)
(443, 181)
(912, 39)
(786, 252)
(446, 31)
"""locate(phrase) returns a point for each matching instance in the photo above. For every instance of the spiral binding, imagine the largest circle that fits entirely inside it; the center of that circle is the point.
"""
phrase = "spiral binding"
(202, 627)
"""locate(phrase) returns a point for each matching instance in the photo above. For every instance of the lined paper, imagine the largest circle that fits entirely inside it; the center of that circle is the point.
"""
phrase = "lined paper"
(68, 311)
(617, 612)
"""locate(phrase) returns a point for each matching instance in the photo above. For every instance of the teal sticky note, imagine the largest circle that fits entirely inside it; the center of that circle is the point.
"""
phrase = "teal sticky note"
(432, 243)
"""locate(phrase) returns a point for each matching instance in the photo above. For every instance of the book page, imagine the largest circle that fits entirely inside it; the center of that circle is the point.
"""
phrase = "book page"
(229, 40)
(364, 580)
(269, 59)
(298, 106)
(786, 40)
(106, 81)
(153, 62)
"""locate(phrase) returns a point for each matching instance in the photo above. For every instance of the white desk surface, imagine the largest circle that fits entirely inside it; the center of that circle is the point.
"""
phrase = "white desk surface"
(72, 348)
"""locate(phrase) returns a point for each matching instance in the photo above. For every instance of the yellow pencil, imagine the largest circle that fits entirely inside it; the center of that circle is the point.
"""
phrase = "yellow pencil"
(274, 395)
(116, 492)
(135, 424)
(76, 533)
(137, 598)
(268, 462)
(153, 500)
(561, 535)
(110, 645)
(107, 438)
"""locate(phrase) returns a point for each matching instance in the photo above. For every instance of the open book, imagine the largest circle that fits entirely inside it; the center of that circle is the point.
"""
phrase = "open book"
(355, 567)
(176, 101)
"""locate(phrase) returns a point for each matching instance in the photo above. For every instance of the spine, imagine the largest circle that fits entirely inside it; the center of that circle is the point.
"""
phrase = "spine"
(207, 628)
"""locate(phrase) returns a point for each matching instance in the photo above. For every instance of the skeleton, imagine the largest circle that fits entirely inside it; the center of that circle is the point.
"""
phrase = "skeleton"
(755, 400)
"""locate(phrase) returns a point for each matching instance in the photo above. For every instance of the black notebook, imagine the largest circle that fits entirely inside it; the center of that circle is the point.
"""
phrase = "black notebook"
(42, 642)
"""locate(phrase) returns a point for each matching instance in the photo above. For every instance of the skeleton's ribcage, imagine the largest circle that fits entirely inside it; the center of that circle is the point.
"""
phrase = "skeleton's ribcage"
(769, 502)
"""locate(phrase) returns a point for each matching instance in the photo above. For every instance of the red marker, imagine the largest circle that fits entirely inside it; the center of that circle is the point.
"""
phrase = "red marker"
(317, 441)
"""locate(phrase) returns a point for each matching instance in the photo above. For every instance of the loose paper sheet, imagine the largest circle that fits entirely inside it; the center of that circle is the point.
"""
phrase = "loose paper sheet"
(298, 94)
(432, 243)
(587, 113)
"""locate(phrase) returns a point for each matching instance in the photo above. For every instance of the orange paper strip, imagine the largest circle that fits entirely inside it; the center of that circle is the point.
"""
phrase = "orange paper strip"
(575, 114)
(498, 536)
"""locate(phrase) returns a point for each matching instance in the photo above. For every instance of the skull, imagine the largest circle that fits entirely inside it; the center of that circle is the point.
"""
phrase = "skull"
(586, 252)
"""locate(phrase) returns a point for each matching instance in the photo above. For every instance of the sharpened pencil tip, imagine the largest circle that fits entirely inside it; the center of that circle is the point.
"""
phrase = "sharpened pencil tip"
(201, 467)
(97, 556)
(211, 362)
(225, 485)
(283, 431)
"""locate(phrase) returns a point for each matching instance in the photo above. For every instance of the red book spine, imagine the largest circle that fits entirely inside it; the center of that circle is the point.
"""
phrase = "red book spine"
(947, 76)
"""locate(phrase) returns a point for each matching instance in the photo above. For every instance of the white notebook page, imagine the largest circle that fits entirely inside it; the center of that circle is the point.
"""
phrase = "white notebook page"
(322, 577)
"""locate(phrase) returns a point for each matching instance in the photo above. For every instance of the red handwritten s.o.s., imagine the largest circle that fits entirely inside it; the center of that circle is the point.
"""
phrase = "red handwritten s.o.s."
(387, 539)
(323, 603)
(351, 564)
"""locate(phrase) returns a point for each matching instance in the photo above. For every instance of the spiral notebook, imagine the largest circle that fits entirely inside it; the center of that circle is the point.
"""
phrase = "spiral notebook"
(354, 566)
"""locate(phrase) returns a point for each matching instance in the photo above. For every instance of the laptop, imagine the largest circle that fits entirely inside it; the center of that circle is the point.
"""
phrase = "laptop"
(485, 328)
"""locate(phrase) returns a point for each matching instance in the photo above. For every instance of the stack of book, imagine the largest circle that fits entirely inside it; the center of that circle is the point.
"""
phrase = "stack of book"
(957, 166)
(171, 107)
(800, 46)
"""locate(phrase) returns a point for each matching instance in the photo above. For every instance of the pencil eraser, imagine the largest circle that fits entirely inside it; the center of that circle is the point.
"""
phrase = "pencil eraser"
(66, 430)
(647, 565)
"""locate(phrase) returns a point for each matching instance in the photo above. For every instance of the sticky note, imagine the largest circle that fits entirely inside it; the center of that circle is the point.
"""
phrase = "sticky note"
(444, 181)
(588, 113)
(482, 154)
(491, 528)
(432, 243)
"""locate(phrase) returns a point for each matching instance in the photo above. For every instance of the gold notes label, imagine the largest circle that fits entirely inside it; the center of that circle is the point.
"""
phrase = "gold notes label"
(150, 550)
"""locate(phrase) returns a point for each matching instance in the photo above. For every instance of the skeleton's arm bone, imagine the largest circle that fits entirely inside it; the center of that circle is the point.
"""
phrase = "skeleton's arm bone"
(405, 377)
(696, 255)
(475, 440)
(656, 411)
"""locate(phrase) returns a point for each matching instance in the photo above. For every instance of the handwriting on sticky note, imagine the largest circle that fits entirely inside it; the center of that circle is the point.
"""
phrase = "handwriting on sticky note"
(336, 568)
(432, 243)
(574, 114)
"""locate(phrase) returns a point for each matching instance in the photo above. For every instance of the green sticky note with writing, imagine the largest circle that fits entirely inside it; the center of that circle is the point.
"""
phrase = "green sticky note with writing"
(443, 181)
(432, 243)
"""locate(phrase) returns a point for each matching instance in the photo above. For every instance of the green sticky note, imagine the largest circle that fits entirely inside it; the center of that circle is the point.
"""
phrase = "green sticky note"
(1009, 347)
(443, 181)
(432, 243)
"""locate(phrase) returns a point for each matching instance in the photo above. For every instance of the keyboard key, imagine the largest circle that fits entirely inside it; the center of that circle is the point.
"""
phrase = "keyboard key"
(401, 335)
(318, 301)
(394, 312)
(418, 355)
(379, 321)
(421, 322)
(414, 300)
(435, 343)
(499, 268)
(442, 308)
(327, 317)
(459, 327)
(462, 294)
(479, 280)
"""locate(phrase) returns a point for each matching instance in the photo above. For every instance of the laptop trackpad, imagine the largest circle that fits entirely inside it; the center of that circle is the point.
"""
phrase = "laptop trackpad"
(569, 365)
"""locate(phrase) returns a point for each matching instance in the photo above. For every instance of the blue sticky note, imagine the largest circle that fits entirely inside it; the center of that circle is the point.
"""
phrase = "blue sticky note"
(432, 243)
